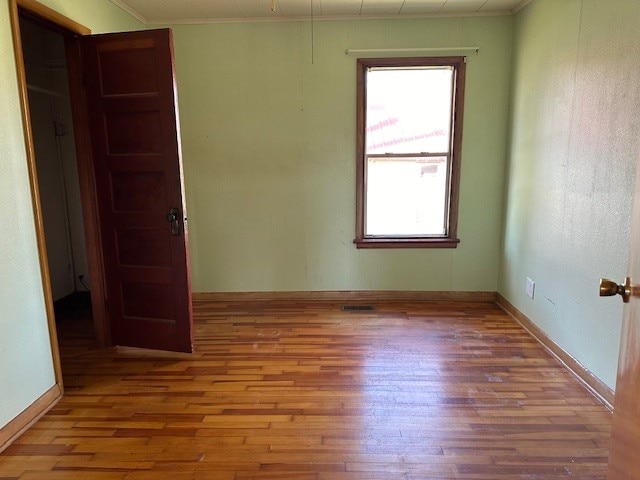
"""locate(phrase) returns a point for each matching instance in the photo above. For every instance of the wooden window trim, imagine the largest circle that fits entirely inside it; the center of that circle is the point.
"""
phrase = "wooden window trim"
(450, 240)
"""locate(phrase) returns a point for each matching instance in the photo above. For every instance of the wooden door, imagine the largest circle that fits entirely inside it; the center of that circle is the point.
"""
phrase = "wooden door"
(624, 459)
(131, 104)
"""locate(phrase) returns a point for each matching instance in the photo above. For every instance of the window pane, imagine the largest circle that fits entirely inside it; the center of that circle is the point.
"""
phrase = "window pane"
(406, 196)
(408, 110)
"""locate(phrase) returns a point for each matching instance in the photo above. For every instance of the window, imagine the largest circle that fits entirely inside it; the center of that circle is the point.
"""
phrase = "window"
(409, 136)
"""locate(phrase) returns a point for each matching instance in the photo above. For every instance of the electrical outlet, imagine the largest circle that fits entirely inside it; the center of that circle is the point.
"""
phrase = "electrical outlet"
(530, 288)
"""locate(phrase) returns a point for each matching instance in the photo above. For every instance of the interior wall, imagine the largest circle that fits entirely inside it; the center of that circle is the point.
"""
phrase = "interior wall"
(268, 130)
(26, 368)
(573, 150)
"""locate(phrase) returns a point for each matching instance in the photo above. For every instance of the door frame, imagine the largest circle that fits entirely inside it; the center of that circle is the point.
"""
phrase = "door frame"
(70, 31)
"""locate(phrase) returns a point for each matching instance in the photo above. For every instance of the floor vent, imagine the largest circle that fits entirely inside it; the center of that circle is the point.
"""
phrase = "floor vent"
(357, 308)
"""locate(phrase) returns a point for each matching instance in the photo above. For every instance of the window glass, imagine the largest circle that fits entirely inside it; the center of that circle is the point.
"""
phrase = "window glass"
(406, 196)
(408, 110)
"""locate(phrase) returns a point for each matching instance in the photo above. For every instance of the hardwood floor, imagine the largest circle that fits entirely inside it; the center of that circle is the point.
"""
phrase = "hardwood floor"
(406, 392)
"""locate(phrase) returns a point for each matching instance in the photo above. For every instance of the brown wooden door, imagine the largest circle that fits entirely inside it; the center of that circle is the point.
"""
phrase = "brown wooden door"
(624, 459)
(131, 103)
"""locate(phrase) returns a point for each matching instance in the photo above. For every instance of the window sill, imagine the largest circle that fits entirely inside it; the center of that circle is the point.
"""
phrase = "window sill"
(408, 242)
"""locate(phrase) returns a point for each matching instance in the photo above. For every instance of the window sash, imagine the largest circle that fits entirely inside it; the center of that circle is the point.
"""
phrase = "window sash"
(414, 118)
(446, 193)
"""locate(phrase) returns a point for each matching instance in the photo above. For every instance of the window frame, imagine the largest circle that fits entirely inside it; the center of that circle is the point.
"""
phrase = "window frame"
(449, 239)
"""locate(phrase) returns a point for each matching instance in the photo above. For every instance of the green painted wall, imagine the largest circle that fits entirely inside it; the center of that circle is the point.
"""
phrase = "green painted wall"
(26, 369)
(269, 155)
(574, 145)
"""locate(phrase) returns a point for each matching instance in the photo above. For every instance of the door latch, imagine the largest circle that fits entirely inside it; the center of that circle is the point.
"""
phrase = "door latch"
(172, 218)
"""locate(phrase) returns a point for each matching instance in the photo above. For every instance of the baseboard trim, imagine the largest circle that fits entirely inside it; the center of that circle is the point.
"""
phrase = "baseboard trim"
(596, 386)
(343, 296)
(29, 416)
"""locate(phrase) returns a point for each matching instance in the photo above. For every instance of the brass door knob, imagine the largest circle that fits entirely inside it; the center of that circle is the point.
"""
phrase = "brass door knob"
(609, 289)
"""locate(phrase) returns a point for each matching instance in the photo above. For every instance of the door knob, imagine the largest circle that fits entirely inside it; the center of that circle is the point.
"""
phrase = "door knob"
(609, 289)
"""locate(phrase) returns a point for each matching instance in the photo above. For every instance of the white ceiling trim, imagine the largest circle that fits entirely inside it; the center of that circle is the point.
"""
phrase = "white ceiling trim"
(407, 16)
(520, 6)
(130, 11)
(124, 5)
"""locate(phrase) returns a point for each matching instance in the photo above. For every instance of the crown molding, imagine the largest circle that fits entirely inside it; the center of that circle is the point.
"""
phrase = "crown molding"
(327, 18)
(520, 6)
(130, 11)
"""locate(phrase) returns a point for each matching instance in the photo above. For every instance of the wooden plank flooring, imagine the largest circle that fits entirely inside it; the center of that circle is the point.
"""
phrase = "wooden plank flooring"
(407, 392)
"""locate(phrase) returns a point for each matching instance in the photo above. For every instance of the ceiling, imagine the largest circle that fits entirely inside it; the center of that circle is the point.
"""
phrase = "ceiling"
(212, 11)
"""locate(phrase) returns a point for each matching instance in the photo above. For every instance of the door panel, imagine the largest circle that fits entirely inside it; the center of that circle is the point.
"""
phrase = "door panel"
(624, 459)
(137, 246)
(130, 92)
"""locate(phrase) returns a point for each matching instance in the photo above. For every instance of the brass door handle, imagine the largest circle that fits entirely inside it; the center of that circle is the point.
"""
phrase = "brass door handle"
(609, 289)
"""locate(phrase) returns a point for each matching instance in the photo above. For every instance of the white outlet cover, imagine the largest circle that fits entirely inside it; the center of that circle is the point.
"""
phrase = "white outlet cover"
(530, 287)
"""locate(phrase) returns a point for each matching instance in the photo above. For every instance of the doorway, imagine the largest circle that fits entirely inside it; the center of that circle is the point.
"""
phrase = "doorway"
(130, 181)
(53, 84)
(50, 108)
